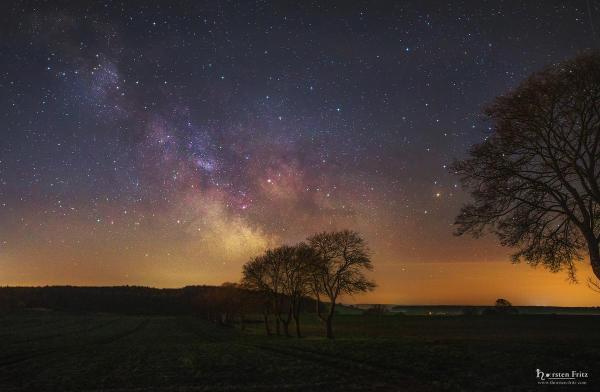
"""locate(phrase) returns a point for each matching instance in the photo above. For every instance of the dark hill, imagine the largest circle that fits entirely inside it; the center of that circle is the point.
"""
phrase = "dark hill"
(121, 299)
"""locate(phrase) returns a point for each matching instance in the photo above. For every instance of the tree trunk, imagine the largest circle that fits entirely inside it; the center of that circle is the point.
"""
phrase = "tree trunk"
(594, 251)
(297, 321)
(329, 327)
(318, 309)
(286, 330)
(287, 320)
(329, 321)
(267, 327)
(296, 314)
(277, 325)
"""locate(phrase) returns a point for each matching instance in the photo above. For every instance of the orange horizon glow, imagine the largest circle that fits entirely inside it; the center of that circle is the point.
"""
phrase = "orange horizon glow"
(198, 242)
(422, 283)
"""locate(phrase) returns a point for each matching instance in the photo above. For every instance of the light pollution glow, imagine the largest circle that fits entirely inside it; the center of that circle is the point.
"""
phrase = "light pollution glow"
(138, 258)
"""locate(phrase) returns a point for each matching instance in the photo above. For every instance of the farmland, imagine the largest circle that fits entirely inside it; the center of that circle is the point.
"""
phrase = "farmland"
(47, 350)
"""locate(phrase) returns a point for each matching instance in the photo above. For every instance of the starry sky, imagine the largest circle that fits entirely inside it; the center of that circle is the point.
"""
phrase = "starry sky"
(164, 143)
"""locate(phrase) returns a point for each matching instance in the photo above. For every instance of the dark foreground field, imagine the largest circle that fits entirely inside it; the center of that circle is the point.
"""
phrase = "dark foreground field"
(55, 351)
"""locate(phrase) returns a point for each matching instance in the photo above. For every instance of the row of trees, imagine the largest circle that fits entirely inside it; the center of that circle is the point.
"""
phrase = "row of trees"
(324, 267)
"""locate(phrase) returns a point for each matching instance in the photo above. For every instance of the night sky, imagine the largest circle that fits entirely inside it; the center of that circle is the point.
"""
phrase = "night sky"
(164, 144)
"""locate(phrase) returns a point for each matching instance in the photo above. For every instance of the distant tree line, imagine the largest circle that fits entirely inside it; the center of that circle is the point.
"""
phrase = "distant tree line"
(324, 267)
(117, 299)
(216, 303)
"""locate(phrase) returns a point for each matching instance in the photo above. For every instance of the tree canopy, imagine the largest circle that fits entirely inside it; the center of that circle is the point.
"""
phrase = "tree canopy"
(328, 265)
(534, 181)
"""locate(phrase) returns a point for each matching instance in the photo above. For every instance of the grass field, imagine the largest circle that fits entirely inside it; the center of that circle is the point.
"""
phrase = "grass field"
(55, 351)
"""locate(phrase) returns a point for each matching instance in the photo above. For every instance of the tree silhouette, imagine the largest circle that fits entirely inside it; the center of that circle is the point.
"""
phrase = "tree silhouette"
(255, 277)
(296, 276)
(342, 258)
(502, 303)
(282, 274)
(279, 263)
(534, 180)
(501, 307)
(330, 264)
(267, 274)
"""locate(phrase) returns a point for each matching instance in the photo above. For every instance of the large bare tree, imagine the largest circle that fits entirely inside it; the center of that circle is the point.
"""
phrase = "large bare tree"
(535, 180)
(339, 268)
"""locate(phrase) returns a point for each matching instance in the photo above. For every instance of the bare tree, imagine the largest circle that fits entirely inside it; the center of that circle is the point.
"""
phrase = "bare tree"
(342, 259)
(279, 262)
(297, 275)
(534, 180)
(255, 277)
(266, 274)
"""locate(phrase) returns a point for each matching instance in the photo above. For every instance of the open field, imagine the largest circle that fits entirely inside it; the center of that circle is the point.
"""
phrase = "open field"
(58, 351)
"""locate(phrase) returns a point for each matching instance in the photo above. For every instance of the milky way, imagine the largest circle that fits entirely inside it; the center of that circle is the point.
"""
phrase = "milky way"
(164, 144)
